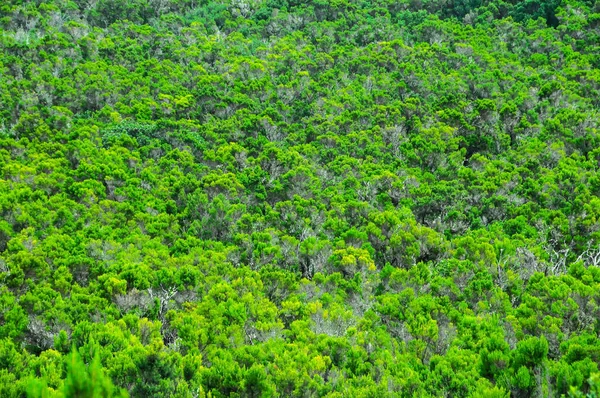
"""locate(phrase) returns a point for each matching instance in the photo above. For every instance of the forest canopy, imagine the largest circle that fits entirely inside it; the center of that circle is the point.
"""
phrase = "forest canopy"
(263, 198)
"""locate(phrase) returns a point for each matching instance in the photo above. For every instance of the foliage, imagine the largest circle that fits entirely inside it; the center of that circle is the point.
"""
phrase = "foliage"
(262, 198)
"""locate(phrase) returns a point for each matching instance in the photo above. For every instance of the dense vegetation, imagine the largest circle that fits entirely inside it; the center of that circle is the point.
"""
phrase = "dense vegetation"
(262, 198)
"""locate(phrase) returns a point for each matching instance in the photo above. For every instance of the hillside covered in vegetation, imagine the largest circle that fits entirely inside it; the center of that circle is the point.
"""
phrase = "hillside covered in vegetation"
(282, 198)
